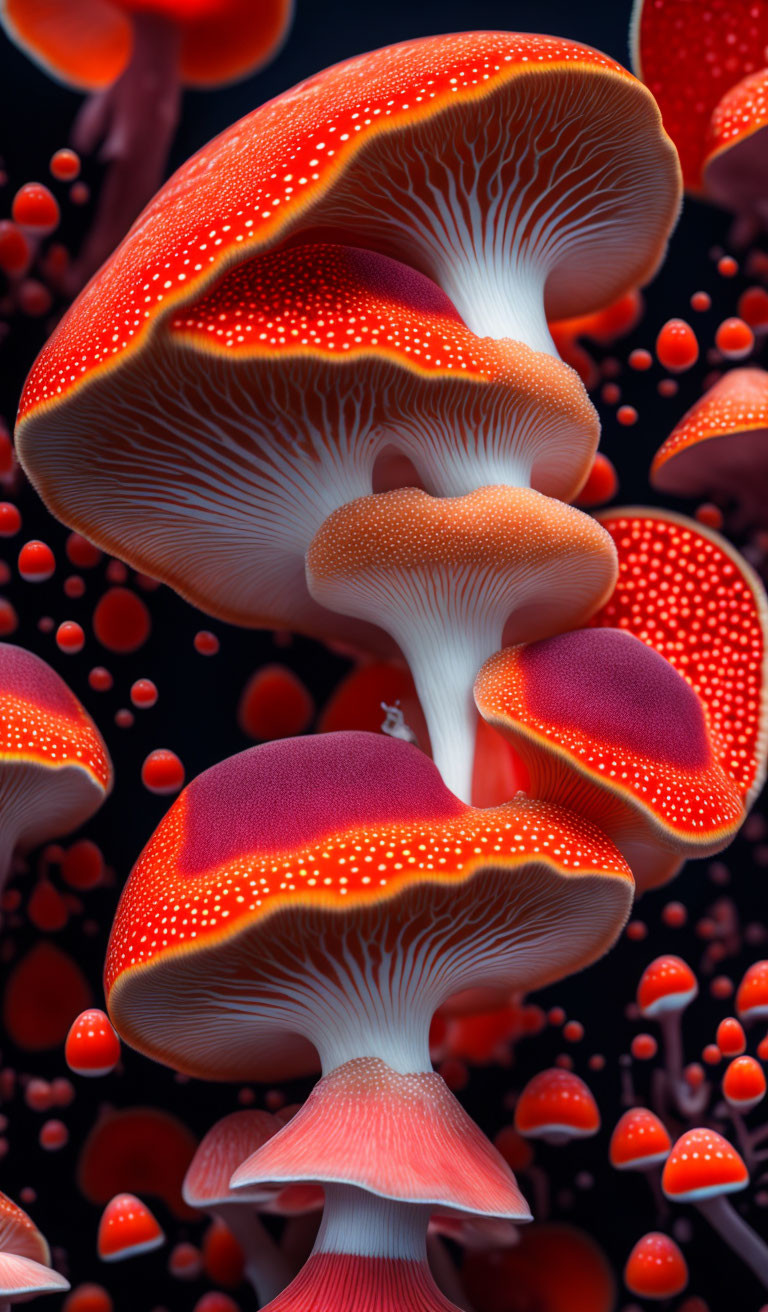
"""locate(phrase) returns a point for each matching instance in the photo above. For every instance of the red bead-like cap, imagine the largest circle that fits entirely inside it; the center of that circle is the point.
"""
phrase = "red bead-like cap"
(702, 1165)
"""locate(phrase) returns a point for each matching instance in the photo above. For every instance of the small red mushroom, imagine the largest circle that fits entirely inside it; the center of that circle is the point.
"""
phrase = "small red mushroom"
(207, 1186)
(702, 1169)
(667, 986)
(639, 1141)
(92, 1047)
(126, 1229)
(556, 1105)
(752, 994)
(744, 1084)
(656, 1268)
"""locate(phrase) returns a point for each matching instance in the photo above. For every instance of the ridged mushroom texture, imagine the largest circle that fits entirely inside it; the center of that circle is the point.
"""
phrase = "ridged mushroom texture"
(55, 770)
(210, 459)
(25, 1258)
(451, 578)
(321, 898)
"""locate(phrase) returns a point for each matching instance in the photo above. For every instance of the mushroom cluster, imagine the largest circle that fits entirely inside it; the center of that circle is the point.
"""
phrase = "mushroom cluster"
(315, 389)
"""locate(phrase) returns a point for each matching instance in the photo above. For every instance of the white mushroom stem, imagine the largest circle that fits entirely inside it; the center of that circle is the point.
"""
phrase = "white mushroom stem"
(135, 119)
(737, 1234)
(267, 1269)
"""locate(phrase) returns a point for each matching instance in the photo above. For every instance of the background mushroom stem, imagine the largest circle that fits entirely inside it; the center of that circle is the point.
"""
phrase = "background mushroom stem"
(737, 1234)
(267, 1269)
(135, 120)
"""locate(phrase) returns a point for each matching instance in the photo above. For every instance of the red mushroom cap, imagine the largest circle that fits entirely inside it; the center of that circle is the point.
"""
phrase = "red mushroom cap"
(55, 770)
(735, 172)
(686, 592)
(752, 994)
(689, 56)
(656, 1267)
(92, 1047)
(667, 984)
(608, 727)
(209, 883)
(127, 1228)
(556, 1104)
(228, 1143)
(702, 1165)
(640, 1140)
(279, 878)
(718, 447)
(137, 1148)
(342, 156)
(744, 1083)
(88, 45)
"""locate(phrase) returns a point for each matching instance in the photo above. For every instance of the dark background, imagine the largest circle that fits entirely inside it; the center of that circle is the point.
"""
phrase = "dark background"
(195, 715)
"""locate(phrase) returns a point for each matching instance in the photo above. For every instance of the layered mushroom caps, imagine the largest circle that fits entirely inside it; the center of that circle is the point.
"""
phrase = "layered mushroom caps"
(416, 150)
(55, 770)
(719, 449)
(451, 578)
(325, 896)
(280, 393)
(25, 1258)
